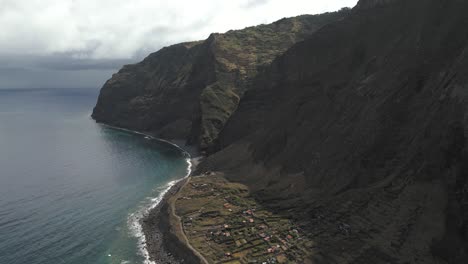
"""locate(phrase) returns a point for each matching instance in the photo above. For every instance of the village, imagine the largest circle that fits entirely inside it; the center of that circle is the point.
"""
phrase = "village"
(226, 225)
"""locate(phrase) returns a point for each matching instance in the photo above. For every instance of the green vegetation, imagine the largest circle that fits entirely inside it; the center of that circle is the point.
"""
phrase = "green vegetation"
(239, 55)
(217, 105)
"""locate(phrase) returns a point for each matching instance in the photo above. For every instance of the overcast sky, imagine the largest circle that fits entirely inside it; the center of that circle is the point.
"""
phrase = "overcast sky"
(80, 43)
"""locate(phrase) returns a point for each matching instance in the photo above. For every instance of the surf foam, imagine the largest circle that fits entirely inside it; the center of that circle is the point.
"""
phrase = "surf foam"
(134, 219)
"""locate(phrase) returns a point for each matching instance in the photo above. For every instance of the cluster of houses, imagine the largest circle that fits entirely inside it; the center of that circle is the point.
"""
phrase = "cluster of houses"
(245, 234)
(241, 231)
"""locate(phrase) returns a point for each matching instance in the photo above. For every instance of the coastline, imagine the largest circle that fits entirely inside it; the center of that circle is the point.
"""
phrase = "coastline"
(191, 153)
(164, 241)
(156, 243)
(160, 234)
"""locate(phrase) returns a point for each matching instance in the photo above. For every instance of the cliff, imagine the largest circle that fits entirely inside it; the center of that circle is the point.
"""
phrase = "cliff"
(359, 133)
(189, 91)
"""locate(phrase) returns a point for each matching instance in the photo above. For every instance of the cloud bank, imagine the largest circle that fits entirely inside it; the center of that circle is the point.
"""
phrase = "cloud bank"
(123, 29)
(70, 34)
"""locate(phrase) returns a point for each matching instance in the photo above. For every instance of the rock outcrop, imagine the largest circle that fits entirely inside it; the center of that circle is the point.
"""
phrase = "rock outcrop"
(189, 91)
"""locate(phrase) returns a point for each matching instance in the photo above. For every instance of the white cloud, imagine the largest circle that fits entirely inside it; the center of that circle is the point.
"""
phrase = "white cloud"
(119, 29)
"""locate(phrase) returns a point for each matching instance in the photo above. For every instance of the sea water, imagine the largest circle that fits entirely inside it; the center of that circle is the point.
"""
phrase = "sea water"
(73, 191)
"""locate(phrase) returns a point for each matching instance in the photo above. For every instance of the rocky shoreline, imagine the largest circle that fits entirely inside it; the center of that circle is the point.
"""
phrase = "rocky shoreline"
(163, 240)
(158, 238)
(163, 231)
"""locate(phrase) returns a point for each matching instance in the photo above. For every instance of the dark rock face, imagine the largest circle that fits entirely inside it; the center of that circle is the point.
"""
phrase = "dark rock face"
(159, 93)
(189, 91)
(360, 132)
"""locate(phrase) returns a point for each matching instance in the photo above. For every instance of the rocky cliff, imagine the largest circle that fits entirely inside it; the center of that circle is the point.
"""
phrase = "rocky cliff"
(360, 133)
(189, 91)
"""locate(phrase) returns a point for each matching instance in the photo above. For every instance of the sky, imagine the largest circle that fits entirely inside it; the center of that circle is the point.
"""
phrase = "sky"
(80, 43)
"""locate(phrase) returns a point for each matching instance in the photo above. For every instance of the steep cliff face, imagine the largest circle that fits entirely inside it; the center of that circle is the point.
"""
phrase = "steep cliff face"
(360, 134)
(189, 91)
(159, 93)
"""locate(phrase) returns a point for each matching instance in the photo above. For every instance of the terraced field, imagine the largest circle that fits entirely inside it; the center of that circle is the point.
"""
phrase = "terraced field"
(226, 225)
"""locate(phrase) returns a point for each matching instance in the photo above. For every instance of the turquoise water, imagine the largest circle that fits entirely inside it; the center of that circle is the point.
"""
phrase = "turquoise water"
(72, 191)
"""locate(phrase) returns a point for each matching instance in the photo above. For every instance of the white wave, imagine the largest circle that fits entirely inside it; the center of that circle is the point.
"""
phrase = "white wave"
(151, 137)
(134, 219)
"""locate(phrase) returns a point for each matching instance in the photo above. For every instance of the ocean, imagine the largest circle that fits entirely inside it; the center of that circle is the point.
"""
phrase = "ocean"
(73, 191)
